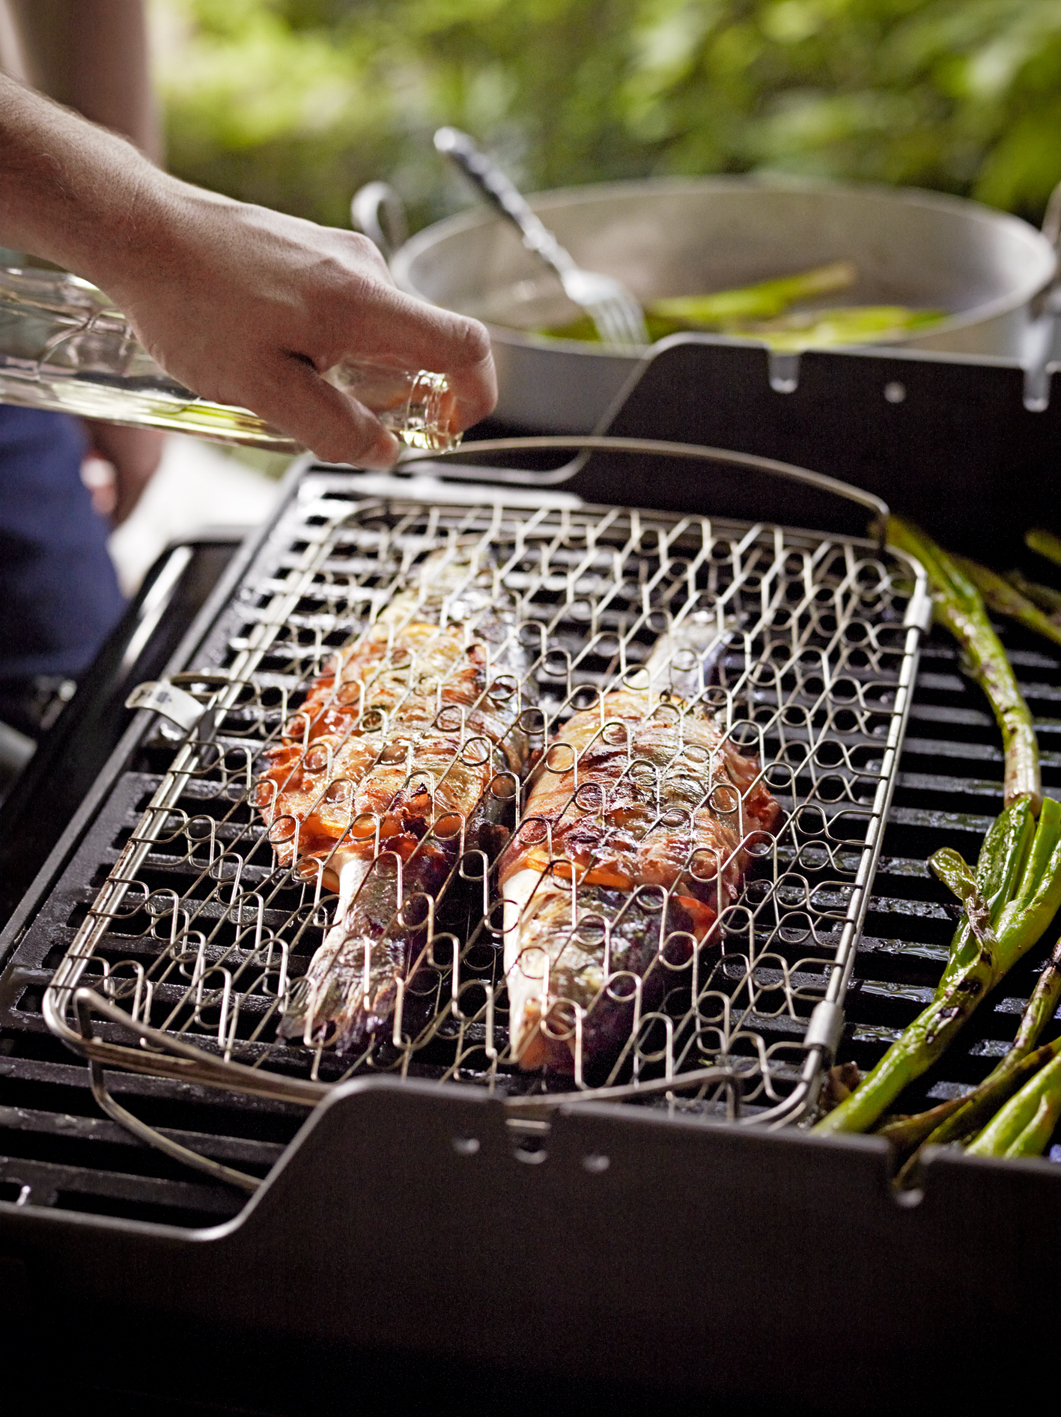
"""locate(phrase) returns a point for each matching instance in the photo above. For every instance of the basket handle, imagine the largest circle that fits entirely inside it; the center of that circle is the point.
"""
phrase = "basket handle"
(654, 446)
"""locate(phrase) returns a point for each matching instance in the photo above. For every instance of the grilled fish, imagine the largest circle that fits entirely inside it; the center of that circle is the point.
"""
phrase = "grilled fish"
(637, 832)
(402, 757)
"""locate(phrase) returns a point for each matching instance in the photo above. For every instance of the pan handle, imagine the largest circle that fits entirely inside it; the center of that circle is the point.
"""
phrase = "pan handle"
(1046, 301)
(655, 447)
(378, 212)
(1043, 312)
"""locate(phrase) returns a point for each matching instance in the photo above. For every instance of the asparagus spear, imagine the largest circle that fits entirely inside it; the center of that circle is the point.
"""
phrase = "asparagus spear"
(799, 330)
(978, 961)
(723, 308)
(1026, 1123)
(1003, 855)
(1044, 596)
(962, 1117)
(761, 301)
(818, 329)
(1045, 543)
(960, 608)
(1001, 923)
(1004, 597)
(762, 312)
(906, 1133)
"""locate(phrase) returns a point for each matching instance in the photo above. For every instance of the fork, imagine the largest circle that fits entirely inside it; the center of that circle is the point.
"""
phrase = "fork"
(614, 311)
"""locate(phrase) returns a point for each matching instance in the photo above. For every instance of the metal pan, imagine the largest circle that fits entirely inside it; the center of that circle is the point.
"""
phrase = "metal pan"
(681, 236)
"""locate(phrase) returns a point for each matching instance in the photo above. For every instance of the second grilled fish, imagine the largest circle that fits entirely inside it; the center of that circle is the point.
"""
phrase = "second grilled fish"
(635, 836)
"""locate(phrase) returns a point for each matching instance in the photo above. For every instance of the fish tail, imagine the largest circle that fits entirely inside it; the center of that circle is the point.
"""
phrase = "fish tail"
(685, 659)
(348, 996)
(346, 999)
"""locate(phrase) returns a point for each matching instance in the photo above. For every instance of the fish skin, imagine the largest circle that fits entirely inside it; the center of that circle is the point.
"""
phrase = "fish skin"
(661, 802)
(387, 771)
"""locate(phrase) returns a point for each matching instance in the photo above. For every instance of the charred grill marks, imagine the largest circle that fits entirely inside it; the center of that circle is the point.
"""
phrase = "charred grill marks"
(634, 834)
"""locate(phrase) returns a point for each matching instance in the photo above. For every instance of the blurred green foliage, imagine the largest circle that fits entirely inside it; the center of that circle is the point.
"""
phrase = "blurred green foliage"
(296, 103)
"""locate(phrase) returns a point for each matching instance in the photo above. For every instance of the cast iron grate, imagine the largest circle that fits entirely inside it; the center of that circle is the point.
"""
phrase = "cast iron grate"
(199, 934)
(56, 1149)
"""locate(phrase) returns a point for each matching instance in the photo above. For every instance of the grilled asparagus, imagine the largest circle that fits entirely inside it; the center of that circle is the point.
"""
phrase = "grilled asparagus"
(959, 607)
(1010, 900)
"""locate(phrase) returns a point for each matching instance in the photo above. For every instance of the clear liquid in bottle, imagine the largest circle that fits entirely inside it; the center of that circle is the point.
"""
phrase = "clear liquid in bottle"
(64, 347)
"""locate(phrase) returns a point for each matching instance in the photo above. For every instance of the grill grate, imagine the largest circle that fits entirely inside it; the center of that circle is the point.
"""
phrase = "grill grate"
(56, 1149)
(178, 914)
(949, 792)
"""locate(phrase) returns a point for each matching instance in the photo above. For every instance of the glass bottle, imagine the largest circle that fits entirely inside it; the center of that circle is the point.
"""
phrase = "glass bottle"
(63, 346)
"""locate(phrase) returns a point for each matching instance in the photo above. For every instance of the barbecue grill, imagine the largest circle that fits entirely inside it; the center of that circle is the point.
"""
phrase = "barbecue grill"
(146, 946)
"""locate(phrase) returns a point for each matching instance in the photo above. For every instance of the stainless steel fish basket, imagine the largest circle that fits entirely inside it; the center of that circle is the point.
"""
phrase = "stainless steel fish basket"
(191, 938)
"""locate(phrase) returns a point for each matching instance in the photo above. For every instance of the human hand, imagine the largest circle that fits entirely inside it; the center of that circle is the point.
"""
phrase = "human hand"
(243, 305)
(250, 307)
(134, 454)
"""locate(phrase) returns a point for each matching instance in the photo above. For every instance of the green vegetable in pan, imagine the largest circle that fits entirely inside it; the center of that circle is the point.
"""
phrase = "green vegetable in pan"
(853, 324)
(764, 311)
(763, 301)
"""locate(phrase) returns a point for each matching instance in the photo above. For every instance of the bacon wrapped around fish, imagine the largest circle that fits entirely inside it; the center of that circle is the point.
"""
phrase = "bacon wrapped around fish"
(635, 836)
(401, 758)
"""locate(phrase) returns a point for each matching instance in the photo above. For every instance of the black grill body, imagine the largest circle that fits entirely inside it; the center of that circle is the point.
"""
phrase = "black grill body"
(700, 1260)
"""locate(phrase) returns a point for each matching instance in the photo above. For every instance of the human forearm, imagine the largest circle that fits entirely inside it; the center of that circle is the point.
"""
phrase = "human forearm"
(92, 55)
(69, 191)
(243, 305)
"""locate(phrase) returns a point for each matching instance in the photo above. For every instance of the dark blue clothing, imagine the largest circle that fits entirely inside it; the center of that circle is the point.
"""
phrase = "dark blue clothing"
(59, 594)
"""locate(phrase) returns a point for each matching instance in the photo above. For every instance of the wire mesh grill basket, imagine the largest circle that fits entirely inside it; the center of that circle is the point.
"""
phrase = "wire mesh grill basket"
(784, 658)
